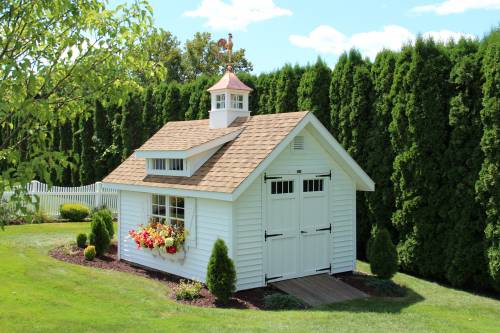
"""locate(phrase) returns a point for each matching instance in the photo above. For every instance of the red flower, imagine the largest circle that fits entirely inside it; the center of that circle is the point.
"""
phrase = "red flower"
(171, 249)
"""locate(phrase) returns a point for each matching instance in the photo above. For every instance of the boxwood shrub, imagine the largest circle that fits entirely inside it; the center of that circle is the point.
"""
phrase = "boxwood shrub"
(74, 212)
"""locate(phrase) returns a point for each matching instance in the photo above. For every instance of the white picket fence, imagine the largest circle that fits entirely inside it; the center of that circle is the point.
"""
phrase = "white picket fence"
(50, 199)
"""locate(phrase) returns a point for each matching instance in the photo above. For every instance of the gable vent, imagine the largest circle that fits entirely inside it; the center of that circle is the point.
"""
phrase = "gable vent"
(298, 143)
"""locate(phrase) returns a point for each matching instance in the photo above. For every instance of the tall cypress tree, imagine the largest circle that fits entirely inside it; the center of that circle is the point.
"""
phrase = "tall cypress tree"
(65, 145)
(131, 124)
(286, 90)
(335, 95)
(103, 140)
(149, 112)
(488, 186)
(313, 91)
(251, 81)
(77, 149)
(379, 154)
(271, 96)
(465, 264)
(419, 134)
(172, 103)
(263, 85)
(87, 156)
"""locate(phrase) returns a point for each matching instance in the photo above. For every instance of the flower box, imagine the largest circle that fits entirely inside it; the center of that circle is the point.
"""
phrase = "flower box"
(161, 239)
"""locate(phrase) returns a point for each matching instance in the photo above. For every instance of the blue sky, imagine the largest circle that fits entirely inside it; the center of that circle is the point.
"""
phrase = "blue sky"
(275, 32)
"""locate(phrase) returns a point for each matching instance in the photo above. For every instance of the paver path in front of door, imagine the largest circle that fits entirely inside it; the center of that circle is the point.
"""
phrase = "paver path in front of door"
(319, 289)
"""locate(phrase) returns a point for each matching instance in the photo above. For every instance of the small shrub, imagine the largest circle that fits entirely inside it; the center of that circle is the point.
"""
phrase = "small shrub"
(221, 275)
(188, 290)
(383, 255)
(39, 217)
(81, 240)
(74, 212)
(99, 236)
(107, 217)
(282, 302)
(89, 252)
(386, 288)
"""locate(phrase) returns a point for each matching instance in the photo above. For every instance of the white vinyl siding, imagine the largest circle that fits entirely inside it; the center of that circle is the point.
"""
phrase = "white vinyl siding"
(212, 222)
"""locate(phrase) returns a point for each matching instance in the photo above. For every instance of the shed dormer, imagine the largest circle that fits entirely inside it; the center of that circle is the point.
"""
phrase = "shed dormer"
(229, 99)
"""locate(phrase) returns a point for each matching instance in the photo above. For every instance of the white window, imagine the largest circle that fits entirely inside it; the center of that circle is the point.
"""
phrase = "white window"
(282, 187)
(176, 164)
(237, 101)
(167, 210)
(220, 101)
(159, 164)
(312, 185)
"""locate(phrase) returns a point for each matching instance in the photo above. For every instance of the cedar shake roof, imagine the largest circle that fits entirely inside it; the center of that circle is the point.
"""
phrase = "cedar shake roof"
(228, 167)
(183, 135)
(229, 81)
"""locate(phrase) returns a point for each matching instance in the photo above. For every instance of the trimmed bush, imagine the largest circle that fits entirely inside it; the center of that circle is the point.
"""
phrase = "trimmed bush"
(221, 275)
(282, 302)
(89, 252)
(74, 212)
(383, 255)
(107, 217)
(188, 290)
(81, 240)
(99, 236)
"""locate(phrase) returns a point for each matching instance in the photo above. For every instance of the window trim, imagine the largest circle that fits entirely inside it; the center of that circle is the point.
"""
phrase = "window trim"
(167, 206)
(237, 100)
(220, 101)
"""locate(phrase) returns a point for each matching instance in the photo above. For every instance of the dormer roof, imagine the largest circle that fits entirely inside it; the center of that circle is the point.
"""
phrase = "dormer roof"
(231, 82)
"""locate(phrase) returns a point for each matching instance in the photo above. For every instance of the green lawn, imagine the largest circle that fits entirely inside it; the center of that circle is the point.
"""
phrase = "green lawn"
(41, 294)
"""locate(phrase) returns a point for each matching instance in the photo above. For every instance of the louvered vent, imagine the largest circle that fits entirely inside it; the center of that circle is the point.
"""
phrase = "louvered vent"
(298, 143)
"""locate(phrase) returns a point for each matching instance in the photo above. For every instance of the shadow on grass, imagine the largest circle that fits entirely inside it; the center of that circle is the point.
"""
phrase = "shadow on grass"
(375, 304)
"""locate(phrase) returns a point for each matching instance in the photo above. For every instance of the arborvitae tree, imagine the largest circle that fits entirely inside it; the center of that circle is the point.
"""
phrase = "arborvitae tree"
(286, 90)
(131, 129)
(205, 98)
(488, 185)
(185, 89)
(102, 140)
(54, 146)
(99, 236)
(221, 274)
(87, 156)
(116, 149)
(383, 255)
(313, 91)
(379, 155)
(335, 95)
(77, 149)
(197, 91)
(271, 99)
(465, 262)
(149, 112)
(65, 145)
(172, 103)
(419, 134)
(263, 86)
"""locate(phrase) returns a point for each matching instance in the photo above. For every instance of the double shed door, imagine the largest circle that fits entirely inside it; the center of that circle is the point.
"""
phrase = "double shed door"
(298, 229)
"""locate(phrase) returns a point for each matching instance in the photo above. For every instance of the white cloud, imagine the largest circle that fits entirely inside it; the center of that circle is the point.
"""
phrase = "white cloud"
(326, 39)
(237, 14)
(457, 6)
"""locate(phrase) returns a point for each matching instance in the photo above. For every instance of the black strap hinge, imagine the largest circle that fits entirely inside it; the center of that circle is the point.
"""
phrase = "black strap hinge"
(272, 278)
(328, 228)
(266, 177)
(266, 235)
(329, 268)
(329, 175)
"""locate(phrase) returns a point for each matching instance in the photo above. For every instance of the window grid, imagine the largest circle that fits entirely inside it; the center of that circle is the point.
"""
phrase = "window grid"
(159, 164)
(220, 101)
(237, 101)
(282, 187)
(312, 185)
(176, 164)
(174, 214)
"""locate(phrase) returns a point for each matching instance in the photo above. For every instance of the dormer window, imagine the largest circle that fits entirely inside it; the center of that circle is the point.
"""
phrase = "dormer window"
(176, 164)
(237, 101)
(159, 164)
(220, 101)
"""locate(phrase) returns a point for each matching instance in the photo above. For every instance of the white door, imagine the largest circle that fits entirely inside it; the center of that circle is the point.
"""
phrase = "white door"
(298, 229)
(282, 232)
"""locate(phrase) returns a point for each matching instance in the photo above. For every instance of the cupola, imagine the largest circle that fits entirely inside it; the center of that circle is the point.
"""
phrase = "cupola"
(229, 96)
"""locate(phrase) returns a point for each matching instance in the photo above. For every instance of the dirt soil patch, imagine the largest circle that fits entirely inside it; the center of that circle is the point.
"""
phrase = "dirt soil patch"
(246, 299)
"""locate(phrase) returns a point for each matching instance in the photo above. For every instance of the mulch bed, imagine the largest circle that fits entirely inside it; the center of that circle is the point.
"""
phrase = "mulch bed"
(246, 299)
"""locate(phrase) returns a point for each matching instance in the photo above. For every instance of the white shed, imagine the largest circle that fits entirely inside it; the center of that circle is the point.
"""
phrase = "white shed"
(278, 189)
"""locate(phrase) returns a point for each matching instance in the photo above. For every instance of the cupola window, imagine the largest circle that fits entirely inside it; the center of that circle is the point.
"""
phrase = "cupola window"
(220, 101)
(237, 101)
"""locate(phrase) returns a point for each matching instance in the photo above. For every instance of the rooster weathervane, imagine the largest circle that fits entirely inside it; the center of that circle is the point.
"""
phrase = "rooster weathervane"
(227, 45)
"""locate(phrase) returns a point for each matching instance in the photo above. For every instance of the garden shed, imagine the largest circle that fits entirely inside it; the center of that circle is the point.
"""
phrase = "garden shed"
(278, 189)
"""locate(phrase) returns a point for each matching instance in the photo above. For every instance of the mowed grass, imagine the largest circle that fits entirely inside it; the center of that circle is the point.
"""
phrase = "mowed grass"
(41, 294)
